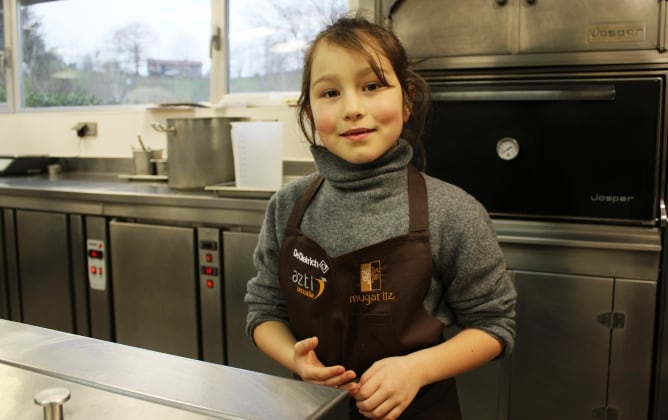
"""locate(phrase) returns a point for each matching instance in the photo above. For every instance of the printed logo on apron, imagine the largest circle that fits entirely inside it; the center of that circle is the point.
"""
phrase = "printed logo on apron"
(313, 262)
(370, 276)
(305, 283)
(371, 286)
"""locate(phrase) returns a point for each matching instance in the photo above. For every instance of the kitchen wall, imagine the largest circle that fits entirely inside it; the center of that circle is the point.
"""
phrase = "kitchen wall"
(50, 132)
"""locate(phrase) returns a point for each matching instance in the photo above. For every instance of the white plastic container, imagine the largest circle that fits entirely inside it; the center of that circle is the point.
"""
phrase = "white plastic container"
(257, 147)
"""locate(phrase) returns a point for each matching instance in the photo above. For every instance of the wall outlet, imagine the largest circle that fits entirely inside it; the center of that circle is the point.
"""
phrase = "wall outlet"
(86, 129)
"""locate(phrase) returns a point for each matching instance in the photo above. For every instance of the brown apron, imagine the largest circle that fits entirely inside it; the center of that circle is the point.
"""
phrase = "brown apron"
(367, 304)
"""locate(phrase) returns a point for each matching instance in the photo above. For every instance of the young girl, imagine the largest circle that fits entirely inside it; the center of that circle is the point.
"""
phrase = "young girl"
(362, 264)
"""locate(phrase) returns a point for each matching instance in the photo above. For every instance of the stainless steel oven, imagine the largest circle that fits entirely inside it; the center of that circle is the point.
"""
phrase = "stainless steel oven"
(564, 161)
(560, 146)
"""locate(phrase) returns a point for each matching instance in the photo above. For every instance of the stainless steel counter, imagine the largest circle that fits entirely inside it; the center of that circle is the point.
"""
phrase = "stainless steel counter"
(113, 381)
(107, 195)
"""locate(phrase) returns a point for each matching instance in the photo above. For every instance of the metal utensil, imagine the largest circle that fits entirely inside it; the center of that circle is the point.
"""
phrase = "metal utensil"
(141, 143)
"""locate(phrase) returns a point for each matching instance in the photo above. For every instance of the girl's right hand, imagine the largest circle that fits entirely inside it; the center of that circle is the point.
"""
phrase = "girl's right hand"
(311, 369)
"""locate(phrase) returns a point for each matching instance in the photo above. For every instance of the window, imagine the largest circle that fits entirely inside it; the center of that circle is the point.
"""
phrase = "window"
(123, 52)
(267, 39)
(100, 52)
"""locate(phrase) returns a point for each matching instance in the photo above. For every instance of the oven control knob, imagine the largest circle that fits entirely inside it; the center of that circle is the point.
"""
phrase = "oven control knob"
(52, 400)
(507, 148)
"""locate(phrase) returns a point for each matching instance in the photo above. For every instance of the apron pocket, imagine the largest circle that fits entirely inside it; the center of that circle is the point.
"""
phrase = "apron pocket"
(373, 337)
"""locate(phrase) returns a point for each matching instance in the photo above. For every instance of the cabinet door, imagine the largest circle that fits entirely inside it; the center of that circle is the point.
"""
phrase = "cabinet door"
(631, 349)
(455, 27)
(592, 25)
(559, 367)
(238, 249)
(154, 287)
(44, 269)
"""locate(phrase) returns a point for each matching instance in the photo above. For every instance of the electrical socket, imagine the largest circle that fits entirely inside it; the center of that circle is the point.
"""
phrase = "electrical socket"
(86, 129)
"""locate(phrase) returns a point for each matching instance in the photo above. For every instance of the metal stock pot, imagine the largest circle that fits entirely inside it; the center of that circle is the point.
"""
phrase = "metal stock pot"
(199, 151)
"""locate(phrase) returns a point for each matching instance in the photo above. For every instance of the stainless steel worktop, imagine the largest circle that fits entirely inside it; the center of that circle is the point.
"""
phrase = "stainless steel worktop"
(107, 195)
(112, 381)
(111, 188)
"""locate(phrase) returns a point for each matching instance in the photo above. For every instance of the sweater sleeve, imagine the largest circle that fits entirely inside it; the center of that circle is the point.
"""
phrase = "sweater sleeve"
(264, 297)
(477, 288)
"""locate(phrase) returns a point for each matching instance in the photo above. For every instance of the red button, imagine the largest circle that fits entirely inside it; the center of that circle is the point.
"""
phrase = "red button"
(209, 284)
(208, 257)
(93, 270)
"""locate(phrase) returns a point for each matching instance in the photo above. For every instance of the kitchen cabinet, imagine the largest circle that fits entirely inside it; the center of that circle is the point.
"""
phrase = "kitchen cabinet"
(239, 268)
(154, 287)
(167, 288)
(163, 301)
(45, 277)
(464, 27)
(583, 350)
(583, 347)
(134, 263)
(594, 25)
(561, 350)
(632, 341)
(502, 27)
(585, 325)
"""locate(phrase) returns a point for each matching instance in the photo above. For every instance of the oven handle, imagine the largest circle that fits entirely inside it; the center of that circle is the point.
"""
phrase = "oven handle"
(574, 243)
(520, 93)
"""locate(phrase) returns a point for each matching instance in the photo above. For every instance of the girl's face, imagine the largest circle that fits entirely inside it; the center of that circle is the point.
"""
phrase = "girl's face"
(356, 116)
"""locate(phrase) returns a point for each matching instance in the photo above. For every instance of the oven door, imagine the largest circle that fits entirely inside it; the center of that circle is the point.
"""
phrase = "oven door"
(581, 148)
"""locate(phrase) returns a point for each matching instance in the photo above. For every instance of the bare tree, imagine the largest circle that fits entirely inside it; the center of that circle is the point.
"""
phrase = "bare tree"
(280, 54)
(130, 43)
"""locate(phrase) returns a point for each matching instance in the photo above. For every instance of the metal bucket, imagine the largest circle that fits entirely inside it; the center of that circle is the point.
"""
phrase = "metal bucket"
(199, 151)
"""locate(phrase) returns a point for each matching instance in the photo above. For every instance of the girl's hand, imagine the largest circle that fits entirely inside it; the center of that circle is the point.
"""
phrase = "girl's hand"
(386, 389)
(310, 369)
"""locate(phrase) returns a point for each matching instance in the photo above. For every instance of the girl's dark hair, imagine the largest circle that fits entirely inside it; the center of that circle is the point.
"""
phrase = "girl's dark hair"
(371, 40)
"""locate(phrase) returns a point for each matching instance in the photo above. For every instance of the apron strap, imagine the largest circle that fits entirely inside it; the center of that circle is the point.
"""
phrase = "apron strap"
(418, 206)
(303, 202)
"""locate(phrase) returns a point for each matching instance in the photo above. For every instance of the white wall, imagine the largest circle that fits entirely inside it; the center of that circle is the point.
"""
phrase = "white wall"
(51, 132)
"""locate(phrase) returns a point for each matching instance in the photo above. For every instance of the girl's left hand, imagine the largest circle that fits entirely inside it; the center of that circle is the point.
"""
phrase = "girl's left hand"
(386, 389)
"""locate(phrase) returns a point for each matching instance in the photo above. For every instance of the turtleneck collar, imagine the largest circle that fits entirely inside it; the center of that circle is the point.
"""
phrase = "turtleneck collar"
(342, 174)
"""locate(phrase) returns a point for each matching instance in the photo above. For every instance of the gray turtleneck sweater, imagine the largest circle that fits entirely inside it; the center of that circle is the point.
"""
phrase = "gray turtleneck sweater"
(359, 205)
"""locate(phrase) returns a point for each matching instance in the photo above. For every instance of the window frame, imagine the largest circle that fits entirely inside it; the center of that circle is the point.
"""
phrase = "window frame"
(10, 57)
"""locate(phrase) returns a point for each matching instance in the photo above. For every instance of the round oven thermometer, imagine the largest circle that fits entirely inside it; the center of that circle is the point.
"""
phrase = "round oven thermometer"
(507, 148)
